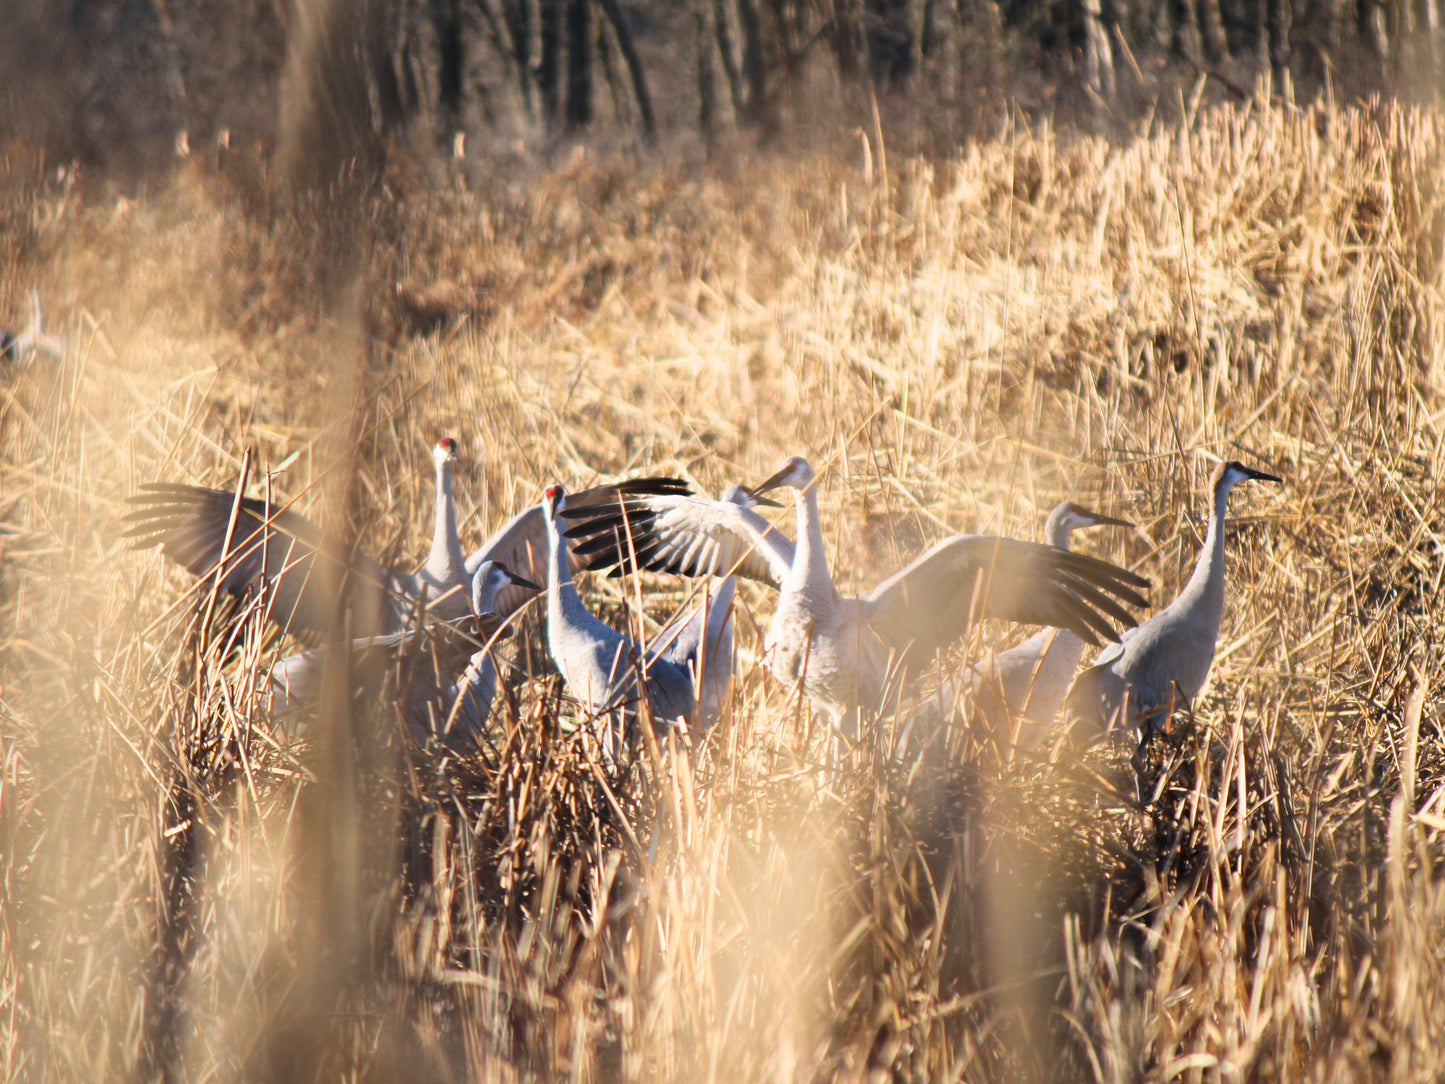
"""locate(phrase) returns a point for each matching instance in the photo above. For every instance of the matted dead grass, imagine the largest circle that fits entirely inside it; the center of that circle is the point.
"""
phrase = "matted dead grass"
(192, 890)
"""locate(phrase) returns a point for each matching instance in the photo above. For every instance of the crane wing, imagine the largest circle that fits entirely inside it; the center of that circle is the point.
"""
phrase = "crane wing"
(271, 548)
(520, 544)
(680, 533)
(934, 600)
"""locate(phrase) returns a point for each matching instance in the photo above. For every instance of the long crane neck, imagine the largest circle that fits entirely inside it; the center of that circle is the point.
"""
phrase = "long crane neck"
(446, 547)
(1057, 532)
(1206, 586)
(566, 613)
(562, 594)
(810, 561)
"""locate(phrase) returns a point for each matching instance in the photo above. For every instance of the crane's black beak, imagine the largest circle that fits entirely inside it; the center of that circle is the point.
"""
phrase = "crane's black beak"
(1100, 520)
(1260, 476)
(770, 484)
(520, 581)
(767, 502)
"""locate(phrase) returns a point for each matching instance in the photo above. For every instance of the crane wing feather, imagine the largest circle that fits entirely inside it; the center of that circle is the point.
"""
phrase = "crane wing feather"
(303, 566)
(683, 534)
(521, 543)
(964, 577)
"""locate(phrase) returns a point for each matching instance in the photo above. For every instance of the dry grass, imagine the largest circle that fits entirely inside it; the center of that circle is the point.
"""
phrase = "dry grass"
(192, 892)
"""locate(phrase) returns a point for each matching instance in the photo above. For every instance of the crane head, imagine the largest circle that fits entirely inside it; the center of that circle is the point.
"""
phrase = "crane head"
(554, 499)
(511, 577)
(491, 577)
(744, 497)
(445, 451)
(485, 577)
(1231, 471)
(795, 473)
(1072, 517)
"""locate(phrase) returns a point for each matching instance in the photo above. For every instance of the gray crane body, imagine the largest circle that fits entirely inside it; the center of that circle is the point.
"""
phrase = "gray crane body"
(817, 637)
(1164, 662)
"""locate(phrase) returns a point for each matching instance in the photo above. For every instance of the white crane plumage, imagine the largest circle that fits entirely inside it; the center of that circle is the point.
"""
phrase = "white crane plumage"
(1027, 683)
(843, 650)
(1163, 663)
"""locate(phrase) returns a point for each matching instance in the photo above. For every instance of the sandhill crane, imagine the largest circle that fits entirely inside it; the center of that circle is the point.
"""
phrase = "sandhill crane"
(444, 575)
(271, 546)
(1029, 681)
(844, 650)
(468, 682)
(24, 346)
(601, 666)
(1165, 661)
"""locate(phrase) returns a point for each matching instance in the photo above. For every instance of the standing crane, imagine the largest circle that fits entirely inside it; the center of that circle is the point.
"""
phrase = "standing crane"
(1164, 662)
(603, 667)
(844, 651)
(1028, 682)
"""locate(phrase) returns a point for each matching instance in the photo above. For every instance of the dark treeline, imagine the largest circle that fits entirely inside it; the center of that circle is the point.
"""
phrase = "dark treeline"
(113, 80)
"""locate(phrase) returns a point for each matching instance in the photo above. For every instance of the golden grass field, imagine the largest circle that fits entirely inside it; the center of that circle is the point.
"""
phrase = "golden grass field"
(193, 892)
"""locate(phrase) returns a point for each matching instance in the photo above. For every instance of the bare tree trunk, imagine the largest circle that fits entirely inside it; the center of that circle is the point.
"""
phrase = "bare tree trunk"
(412, 66)
(549, 59)
(339, 96)
(1211, 31)
(892, 34)
(634, 69)
(1184, 36)
(704, 35)
(1427, 38)
(1241, 29)
(382, 33)
(451, 58)
(1098, 54)
(927, 30)
(609, 56)
(511, 38)
(850, 42)
(581, 49)
(1331, 21)
(1277, 20)
(727, 51)
(755, 77)
(1373, 27)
